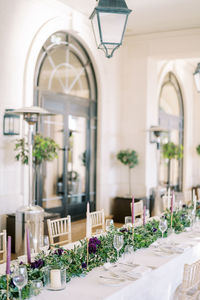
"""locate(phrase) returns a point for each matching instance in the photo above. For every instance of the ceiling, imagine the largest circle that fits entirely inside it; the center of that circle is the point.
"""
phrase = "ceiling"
(151, 16)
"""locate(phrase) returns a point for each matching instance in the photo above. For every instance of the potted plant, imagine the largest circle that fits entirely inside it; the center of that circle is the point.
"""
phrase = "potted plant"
(171, 151)
(44, 149)
(198, 149)
(128, 158)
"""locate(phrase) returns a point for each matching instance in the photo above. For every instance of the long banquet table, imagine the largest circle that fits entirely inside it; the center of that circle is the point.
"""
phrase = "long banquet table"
(159, 284)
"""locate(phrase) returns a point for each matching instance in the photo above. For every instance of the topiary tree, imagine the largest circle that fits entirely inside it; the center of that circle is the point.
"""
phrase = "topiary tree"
(171, 151)
(198, 149)
(44, 149)
(128, 158)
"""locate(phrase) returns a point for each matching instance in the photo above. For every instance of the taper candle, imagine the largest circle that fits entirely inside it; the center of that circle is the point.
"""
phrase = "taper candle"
(8, 256)
(144, 215)
(133, 210)
(28, 246)
(168, 198)
(88, 225)
(172, 207)
(172, 202)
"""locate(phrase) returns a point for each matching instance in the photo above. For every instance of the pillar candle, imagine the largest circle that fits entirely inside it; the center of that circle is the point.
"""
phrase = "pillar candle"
(144, 216)
(8, 256)
(55, 279)
(28, 246)
(88, 225)
(133, 210)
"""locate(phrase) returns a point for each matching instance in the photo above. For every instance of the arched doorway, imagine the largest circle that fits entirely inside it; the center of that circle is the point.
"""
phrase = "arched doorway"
(65, 84)
(171, 117)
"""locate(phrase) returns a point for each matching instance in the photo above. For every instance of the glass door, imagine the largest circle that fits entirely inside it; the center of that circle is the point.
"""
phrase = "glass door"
(68, 182)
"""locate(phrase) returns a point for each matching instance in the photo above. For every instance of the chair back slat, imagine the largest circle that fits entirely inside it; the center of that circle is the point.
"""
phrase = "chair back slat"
(3, 246)
(97, 219)
(138, 209)
(188, 290)
(59, 228)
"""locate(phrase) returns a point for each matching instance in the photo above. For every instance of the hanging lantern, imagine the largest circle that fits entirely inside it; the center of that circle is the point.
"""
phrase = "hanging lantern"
(109, 21)
(197, 77)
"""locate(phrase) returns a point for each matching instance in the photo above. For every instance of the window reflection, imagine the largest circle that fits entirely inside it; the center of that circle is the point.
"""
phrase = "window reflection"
(171, 118)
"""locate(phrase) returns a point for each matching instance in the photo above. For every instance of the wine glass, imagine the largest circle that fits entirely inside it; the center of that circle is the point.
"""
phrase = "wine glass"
(20, 278)
(109, 224)
(163, 225)
(118, 243)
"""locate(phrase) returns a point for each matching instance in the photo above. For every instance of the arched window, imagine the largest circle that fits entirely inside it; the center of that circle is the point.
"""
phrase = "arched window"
(171, 117)
(65, 84)
(64, 67)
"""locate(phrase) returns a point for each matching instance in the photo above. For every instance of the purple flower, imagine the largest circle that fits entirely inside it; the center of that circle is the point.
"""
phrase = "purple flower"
(84, 265)
(37, 264)
(12, 283)
(123, 230)
(95, 240)
(59, 251)
(155, 229)
(21, 263)
(92, 248)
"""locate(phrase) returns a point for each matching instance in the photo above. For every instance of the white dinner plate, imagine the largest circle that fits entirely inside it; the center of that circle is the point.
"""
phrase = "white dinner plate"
(111, 281)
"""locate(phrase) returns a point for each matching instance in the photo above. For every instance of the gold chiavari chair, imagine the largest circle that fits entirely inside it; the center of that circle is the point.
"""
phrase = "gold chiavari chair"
(59, 231)
(189, 288)
(97, 220)
(3, 246)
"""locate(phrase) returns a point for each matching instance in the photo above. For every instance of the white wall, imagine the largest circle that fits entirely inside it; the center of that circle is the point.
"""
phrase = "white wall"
(146, 60)
(128, 84)
(25, 25)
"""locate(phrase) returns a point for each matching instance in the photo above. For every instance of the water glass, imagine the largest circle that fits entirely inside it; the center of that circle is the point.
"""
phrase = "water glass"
(163, 225)
(99, 231)
(36, 288)
(118, 243)
(109, 224)
(128, 254)
(20, 278)
(44, 243)
(128, 222)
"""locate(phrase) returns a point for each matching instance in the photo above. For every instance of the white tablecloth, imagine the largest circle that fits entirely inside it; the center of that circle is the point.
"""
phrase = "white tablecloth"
(159, 284)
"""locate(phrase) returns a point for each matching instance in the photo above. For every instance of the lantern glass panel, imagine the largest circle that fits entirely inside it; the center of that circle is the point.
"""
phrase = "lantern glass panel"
(112, 27)
(96, 29)
(6, 125)
(16, 125)
(197, 81)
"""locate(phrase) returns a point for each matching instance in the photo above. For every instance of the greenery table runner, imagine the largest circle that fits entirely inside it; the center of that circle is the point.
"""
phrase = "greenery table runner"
(100, 251)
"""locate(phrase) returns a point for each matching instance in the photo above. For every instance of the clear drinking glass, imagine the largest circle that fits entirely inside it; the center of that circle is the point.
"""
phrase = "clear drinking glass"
(128, 222)
(20, 278)
(163, 225)
(128, 254)
(44, 243)
(36, 288)
(118, 243)
(109, 224)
